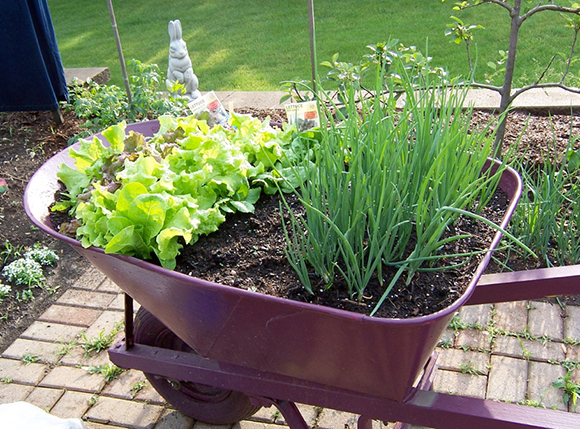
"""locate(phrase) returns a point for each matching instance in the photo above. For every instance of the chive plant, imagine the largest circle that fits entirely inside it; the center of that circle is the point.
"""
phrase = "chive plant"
(392, 172)
(547, 218)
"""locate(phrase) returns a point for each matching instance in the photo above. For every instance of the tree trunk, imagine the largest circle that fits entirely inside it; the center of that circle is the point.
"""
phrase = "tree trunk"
(506, 89)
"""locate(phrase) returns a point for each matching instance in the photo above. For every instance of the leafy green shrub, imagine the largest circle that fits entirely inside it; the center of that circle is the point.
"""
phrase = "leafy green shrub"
(105, 105)
(343, 77)
(518, 12)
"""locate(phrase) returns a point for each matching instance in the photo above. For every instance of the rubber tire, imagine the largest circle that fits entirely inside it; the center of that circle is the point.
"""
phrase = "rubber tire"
(201, 402)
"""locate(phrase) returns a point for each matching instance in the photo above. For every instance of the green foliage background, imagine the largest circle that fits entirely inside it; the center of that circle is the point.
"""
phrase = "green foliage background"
(254, 45)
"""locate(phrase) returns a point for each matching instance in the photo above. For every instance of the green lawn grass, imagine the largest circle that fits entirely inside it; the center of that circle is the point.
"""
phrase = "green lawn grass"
(253, 45)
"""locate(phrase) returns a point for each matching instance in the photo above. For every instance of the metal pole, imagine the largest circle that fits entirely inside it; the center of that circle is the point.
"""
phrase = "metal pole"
(312, 42)
(120, 50)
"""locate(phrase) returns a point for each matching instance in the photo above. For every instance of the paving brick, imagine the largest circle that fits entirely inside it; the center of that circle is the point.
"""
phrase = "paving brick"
(109, 286)
(476, 314)
(331, 419)
(91, 279)
(310, 414)
(106, 323)
(77, 379)
(13, 392)
(18, 372)
(44, 352)
(532, 349)
(118, 304)
(545, 320)
(76, 356)
(572, 322)
(124, 413)
(172, 419)
(508, 379)
(455, 359)
(75, 316)
(53, 332)
(44, 398)
(474, 339)
(85, 298)
(457, 383)
(246, 424)
(448, 337)
(573, 352)
(511, 316)
(123, 387)
(95, 425)
(72, 405)
(541, 376)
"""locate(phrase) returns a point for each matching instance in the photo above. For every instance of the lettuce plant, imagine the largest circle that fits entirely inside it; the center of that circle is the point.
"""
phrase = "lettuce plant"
(150, 197)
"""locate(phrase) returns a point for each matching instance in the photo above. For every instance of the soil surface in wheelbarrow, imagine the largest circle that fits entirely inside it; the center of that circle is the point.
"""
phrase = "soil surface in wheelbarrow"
(27, 139)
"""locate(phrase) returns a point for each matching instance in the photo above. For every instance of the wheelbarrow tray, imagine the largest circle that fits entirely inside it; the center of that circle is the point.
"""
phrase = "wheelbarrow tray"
(332, 347)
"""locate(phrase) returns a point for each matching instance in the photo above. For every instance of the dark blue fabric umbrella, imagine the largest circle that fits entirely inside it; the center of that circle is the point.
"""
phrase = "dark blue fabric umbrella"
(31, 72)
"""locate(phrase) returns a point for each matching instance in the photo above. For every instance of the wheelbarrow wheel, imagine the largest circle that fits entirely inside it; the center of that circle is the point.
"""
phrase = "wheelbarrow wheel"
(202, 402)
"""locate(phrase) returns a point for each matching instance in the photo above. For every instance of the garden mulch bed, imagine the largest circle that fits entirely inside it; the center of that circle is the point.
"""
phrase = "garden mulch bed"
(28, 139)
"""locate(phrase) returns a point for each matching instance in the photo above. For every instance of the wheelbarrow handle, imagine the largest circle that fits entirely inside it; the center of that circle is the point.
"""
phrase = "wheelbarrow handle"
(526, 285)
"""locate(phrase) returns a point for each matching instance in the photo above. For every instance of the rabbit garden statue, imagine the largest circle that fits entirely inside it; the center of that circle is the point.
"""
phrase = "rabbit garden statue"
(180, 69)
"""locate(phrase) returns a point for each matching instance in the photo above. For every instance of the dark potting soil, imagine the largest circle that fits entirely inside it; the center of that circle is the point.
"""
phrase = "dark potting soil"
(248, 251)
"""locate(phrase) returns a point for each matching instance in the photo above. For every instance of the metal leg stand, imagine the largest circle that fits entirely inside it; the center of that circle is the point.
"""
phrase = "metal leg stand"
(57, 116)
(128, 321)
(364, 423)
(288, 409)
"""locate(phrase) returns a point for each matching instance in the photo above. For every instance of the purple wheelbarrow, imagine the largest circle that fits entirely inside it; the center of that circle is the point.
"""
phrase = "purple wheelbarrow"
(219, 353)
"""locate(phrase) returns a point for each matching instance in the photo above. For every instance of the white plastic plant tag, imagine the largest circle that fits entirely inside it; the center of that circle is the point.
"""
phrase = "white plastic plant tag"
(304, 115)
(209, 107)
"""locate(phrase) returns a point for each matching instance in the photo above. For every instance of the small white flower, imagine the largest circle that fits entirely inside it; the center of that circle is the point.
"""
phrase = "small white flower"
(24, 272)
(4, 290)
(43, 255)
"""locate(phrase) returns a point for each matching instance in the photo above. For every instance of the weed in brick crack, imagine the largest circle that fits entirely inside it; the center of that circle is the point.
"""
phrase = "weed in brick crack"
(137, 387)
(456, 323)
(100, 342)
(570, 388)
(29, 358)
(469, 368)
(445, 344)
(97, 344)
(109, 371)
